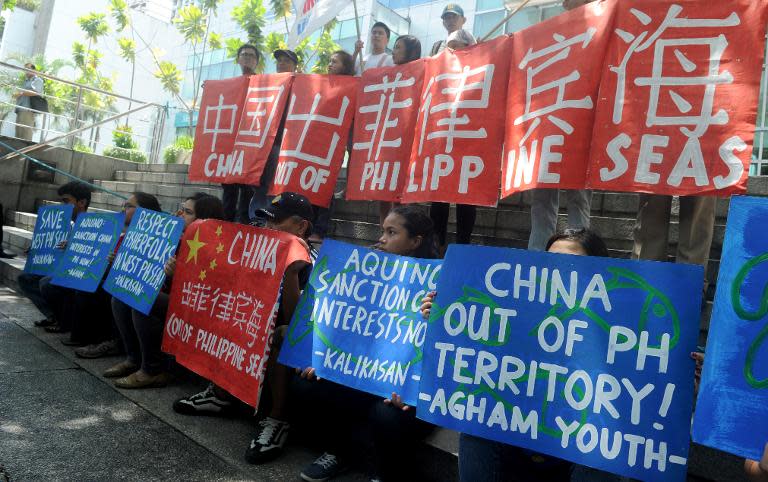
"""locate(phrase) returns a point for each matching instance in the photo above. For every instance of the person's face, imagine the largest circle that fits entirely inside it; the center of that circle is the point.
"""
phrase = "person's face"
(129, 207)
(29, 75)
(80, 206)
(379, 38)
(399, 53)
(292, 224)
(453, 22)
(248, 60)
(187, 211)
(456, 44)
(565, 246)
(394, 237)
(335, 66)
(285, 64)
(571, 4)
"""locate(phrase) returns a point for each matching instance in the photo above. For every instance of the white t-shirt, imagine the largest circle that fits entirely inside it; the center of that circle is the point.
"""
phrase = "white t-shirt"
(373, 61)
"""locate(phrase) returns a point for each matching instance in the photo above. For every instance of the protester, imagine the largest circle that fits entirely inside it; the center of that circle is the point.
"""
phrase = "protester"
(286, 61)
(407, 49)
(3, 254)
(487, 460)
(25, 113)
(453, 20)
(94, 322)
(465, 213)
(52, 300)
(236, 197)
(378, 57)
(145, 365)
(758, 471)
(341, 63)
(388, 429)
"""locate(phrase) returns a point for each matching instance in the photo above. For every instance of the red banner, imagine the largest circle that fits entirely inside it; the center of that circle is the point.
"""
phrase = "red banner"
(387, 108)
(457, 146)
(220, 112)
(223, 300)
(678, 97)
(554, 81)
(315, 137)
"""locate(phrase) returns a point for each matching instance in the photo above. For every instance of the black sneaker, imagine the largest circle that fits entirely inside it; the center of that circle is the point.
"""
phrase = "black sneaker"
(204, 403)
(322, 469)
(268, 442)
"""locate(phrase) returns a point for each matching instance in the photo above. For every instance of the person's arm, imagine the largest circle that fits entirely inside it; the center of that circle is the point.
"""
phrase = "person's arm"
(758, 471)
(37, 89)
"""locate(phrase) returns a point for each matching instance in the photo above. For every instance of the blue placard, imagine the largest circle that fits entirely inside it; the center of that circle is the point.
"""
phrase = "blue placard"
(138, 271)
(358, 321)
(732, 408)
(607, 339)
(84, 262)
(51, 228)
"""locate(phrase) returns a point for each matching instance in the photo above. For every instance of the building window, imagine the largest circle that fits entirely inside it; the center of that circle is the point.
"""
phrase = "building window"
(490, 12)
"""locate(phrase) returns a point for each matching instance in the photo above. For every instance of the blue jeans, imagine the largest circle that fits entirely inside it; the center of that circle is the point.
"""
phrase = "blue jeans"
(544, 209)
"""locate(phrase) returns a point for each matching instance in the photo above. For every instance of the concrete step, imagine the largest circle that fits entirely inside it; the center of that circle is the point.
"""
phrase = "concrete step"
(91, 208)
(170, 190)
(21, 220)
(158, 178)
(178, 168)
(108, 202)
(16, 240)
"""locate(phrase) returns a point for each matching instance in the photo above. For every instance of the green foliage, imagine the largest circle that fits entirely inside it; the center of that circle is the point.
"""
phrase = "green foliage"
(191, 23)
(185, 142)
(119, 11)
(232, 44)
(80, 147)
(94, 25)
(127, 49)
(121, 137)
(250, 16)
(170, 76)
(181, 145)
(214, 41)
(28, 5)
(134, 155)
(281, 8)
(8, 5)
(324, 48)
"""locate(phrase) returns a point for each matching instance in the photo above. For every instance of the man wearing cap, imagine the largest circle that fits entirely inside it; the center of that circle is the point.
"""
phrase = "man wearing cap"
(453, 19)
(285, 61)
(378, 57)
(291, 213)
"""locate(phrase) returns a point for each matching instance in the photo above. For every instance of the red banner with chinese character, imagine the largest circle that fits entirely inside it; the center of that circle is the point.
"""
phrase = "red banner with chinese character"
(387, 108)
(678, 97)
(315, 138)
(221, 107)
(553, 85)
(223, 300)
(457, 145)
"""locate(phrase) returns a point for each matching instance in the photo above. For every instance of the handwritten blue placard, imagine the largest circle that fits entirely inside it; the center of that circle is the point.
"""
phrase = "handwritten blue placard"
(358, 321)
(732, 408)
(138, 271)
(51, 228)
(85, 260)
(581, 358)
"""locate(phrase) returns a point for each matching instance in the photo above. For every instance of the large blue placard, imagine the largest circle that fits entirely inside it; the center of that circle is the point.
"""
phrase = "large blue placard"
(732, 408)
(358, 321)
(137, 275)
(84, 262)
(51, 228)
(581, 358)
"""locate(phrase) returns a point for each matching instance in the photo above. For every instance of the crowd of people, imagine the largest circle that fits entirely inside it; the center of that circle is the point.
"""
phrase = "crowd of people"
(354, 425)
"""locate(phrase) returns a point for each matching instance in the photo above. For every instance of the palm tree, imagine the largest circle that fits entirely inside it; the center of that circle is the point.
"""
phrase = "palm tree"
(282, 9)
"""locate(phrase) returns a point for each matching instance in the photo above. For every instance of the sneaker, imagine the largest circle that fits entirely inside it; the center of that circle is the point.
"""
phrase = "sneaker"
(268, 442)
(203, 403)
(105, 348)
(322, 469)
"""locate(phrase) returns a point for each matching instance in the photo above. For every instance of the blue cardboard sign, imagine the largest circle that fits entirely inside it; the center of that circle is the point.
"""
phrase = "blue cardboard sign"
(581, 358)
(138, 273)
(84, 262)
(358, 321)
(732, 408)
(51, 228)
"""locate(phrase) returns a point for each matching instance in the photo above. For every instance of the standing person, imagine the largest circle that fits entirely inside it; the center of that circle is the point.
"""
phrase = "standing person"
(466, 214)
(378, 57)
(453, 19)
(25, 116)
(407, 49)
(545, 203)
(286, 61)
(236, 197)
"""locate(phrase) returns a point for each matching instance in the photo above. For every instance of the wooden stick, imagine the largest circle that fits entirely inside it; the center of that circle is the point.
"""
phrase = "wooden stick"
(505, 20)
(357, 26)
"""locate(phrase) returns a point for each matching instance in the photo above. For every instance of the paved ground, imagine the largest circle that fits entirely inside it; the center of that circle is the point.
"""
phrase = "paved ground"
(60, 420)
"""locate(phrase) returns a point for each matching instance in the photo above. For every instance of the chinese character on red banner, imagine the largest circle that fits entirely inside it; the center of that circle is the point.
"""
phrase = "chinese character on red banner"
(554, 81)
(387, 107)
(678, 97)
(223, 300)
(213, 159)
(457, 146)
(315, 137)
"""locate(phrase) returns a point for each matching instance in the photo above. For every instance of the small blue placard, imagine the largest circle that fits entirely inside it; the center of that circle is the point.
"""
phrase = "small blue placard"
(138, 271)
(358, 321)
(581, 358)
(85, 260)
(51, 228)
(732, 409)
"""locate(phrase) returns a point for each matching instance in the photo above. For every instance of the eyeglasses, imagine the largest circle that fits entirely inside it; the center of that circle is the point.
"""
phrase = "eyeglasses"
(186, 210)
(127, 206)
(247, 54)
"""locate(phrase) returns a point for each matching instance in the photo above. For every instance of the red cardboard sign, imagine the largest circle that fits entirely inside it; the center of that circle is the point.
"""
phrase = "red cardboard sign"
(553, 85)
(678, 97)
(387, 108)
(457, 146)
(315, 138)
(223, 301)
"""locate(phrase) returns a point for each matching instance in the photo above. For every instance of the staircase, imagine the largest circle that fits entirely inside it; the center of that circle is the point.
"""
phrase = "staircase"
(613, 216)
